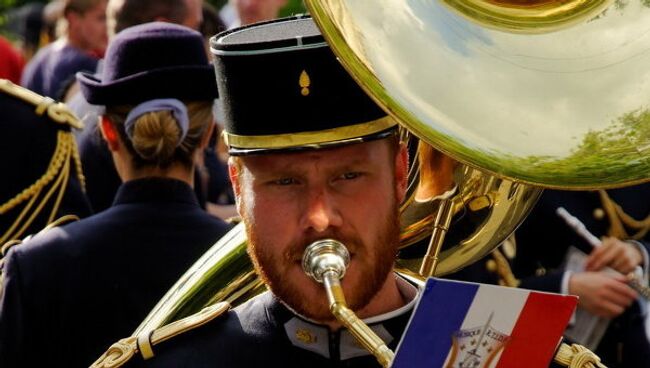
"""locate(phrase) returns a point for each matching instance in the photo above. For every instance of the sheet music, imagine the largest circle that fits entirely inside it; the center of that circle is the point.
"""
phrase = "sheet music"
(587, 329)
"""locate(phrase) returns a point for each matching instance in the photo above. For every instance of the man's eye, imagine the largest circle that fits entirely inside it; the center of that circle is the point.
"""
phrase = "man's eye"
(350, 175)
(285, 181)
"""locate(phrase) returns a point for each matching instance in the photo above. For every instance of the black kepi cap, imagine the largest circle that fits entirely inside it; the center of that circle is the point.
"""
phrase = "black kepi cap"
(283, 89)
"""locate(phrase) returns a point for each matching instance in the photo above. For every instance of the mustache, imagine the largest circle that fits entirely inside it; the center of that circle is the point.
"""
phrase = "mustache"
(296, 249)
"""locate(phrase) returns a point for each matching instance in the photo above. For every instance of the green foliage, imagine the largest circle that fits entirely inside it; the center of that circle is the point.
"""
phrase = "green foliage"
(294, 7)
(606, 154)
(217, 3)
(6, 5)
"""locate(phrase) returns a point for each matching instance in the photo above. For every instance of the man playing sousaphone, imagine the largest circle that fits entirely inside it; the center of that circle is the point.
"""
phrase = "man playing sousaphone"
(316, 167)
(312, 158)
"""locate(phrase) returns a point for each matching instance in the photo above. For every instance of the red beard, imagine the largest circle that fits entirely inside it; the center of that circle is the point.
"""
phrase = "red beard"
(372, 264)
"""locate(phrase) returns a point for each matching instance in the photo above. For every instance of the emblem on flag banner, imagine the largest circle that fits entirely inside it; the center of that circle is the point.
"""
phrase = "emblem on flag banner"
(476, 347)
(468, 325)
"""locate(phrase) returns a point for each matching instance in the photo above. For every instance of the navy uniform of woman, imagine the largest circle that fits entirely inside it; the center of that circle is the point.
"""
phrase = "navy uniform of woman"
(71, 291)
(623, 217)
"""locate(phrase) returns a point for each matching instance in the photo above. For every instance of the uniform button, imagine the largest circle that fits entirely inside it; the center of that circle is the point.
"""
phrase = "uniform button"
(491, 265)
(599, 214)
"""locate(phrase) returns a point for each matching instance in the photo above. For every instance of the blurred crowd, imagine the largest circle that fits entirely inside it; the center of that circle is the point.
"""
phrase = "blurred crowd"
(56, 40)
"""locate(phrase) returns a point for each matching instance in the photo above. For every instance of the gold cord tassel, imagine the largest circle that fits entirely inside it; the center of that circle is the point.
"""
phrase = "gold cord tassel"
(57, 173)
(577, 356)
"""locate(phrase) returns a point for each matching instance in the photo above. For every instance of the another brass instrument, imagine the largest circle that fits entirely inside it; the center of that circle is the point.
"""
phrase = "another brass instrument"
(553, 94)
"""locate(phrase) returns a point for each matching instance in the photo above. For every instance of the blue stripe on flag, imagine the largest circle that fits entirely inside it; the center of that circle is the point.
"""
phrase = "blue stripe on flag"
(440, 312)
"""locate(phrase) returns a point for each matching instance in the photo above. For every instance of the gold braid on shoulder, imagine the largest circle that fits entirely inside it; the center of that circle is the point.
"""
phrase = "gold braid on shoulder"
(619, 220)
(52, 184)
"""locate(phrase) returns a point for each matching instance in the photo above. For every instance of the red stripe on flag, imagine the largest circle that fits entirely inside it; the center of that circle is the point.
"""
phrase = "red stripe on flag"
(538, 330)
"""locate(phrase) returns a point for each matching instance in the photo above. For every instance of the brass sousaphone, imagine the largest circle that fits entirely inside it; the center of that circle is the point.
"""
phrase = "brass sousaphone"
(523, 94)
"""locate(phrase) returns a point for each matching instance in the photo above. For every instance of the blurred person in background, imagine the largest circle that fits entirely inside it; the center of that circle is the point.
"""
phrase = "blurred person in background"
(123, 14)
(52, 69)
(102, 179)
(213, 170)
(33, 25)
(11, 61)
(243, 12)
(211, 24)
(620, 220)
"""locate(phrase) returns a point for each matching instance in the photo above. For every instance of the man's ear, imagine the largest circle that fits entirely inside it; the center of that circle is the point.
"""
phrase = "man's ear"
(109, 133)
(401, 172)
(234, 174)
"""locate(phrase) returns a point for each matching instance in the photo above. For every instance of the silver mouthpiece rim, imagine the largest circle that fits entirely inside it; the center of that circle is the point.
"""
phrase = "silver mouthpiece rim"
(325, 255)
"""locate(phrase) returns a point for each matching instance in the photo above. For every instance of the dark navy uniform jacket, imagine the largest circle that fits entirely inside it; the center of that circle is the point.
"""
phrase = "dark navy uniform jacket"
(543, 240)
(102, 180)
(70, 292)
(74, 202)
(264, 333)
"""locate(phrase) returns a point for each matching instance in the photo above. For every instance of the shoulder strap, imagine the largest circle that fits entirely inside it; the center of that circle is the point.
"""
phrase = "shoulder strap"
(122, 351)
(56, 111)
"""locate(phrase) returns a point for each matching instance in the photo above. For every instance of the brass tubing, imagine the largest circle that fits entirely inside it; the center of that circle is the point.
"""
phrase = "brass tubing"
(440, 228)
(367, 337)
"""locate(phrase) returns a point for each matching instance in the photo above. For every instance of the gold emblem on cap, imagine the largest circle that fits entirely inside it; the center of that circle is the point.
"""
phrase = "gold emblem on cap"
(305, 336)
(305, 82)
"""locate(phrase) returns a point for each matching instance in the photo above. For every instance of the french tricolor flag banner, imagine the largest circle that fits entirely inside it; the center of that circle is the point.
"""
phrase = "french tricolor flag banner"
(461, 325)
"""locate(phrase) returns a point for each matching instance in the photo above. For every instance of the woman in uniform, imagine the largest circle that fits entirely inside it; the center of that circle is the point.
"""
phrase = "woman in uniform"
(70, 292)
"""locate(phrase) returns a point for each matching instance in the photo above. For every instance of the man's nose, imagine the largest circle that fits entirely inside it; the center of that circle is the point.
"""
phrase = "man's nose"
(321, 212)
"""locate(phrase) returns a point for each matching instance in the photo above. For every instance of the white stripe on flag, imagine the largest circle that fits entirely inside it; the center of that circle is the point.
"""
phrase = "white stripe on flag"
(504, 304)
